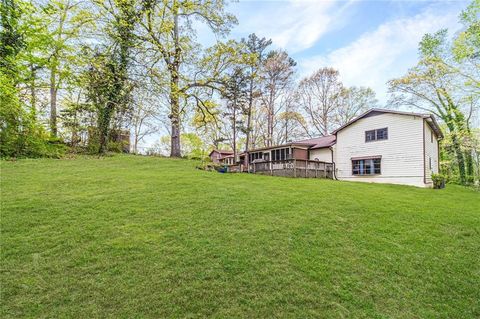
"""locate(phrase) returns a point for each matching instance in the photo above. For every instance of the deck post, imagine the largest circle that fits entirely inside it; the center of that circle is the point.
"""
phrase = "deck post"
(325, 169)
(271, 168)
(316, 169)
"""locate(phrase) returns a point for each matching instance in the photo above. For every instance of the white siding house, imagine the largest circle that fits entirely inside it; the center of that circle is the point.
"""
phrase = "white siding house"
(379, 146)
(321, 154)
(385, 146)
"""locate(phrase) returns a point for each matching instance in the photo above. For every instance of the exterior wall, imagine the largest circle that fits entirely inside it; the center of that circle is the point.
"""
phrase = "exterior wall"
(322, 154)
(215, 157)
(299, 153)
(402, 153)
(431, 154)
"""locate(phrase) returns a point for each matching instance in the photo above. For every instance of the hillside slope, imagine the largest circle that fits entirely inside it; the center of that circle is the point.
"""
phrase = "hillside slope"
(130, 236)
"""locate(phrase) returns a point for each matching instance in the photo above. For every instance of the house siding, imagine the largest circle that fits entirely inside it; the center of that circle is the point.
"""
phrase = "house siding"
(215, 157)
(321, 154)
(402, 153)
(431, 154)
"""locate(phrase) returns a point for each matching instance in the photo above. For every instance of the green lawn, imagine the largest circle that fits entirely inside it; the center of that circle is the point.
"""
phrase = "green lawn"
(129, 236)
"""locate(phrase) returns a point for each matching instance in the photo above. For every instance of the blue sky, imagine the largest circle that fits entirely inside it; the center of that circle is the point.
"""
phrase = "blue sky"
(369, 42)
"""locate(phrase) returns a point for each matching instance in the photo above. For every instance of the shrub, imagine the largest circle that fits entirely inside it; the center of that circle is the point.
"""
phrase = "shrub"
(116, 147)
(438, 181)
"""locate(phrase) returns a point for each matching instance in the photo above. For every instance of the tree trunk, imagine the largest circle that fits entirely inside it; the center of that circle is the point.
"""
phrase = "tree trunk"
(234, 130)
(135, 145)
(469, 166)
(175, 149)
(325, 124)
(469, 156)
(33, 96)
(249, 119)
(460, 125)
(460, 159)
(105, 116)
(286, 128)
(53, 103)
(270, 118)
(477, 165)
(457, 149)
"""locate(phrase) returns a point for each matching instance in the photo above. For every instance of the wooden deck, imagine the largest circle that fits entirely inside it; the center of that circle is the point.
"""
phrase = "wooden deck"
(293, 168)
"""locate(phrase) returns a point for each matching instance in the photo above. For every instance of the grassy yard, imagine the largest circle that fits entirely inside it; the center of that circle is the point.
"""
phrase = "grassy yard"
(129, 236)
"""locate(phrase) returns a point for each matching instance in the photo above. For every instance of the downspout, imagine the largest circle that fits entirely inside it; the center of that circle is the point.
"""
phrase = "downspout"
(333, 162)
(438, 154)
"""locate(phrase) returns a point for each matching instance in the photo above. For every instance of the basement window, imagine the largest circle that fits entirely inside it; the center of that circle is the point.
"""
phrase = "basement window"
(367, 166)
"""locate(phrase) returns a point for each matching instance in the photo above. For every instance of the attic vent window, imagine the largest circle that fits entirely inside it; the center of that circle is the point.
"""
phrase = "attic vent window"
(376, 135)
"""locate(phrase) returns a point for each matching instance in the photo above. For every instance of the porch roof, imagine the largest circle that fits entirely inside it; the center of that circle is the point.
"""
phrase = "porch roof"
(313, 143)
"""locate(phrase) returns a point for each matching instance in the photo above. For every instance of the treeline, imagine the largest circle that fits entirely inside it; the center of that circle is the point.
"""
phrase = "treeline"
(85, 76)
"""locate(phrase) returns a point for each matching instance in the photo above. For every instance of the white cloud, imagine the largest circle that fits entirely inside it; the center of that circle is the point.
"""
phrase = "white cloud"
(294, 25)
(383, 54)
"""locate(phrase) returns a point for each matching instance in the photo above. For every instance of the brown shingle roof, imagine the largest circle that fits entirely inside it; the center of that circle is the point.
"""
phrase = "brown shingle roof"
(319, 142)
(223, 152)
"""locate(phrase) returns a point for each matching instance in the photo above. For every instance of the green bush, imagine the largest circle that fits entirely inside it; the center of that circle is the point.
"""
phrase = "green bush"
(115, 147)
(438, 181)
(20, 134)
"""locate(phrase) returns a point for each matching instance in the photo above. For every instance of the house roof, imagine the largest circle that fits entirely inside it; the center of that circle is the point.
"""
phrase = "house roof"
(222, 152)
(429, 118)
(319, 142)
(291, 144)
(313, 143)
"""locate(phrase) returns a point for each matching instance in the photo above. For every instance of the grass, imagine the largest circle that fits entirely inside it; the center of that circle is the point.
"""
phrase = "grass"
(129, 236)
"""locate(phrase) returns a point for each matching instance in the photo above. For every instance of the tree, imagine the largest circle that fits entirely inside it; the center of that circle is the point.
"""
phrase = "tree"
(436, 85)
(66, 20)
(169, 29)
(192, 146)
(77, 117)
(255, 49)
(292, 123)
(466, 45)
(144, 113)
(352, 102)
(11, 39)
(108, 83)
(319, 94)
(236, 95)
(277, 76)
(20, 134)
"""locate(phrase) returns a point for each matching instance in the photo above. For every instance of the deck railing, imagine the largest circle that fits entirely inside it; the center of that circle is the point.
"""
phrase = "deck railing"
(293, 168)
